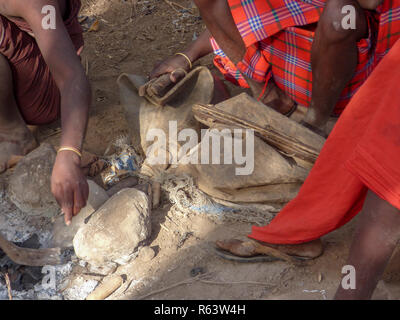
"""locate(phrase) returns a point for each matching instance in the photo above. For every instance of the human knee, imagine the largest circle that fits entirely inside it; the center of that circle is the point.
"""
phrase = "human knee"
(206, 4)
(342, 21)
(369, 4)
(202, 3)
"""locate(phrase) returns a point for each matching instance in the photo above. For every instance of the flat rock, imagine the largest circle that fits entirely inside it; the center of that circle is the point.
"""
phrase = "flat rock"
(116, 230)
(63, 235)
(29, 186)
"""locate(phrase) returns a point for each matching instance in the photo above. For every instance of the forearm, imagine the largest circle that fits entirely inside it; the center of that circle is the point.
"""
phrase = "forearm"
(75, 101)
(200, 47)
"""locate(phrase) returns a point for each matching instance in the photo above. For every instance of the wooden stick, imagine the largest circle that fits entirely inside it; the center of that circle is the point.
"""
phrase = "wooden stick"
(8, 284)
(173, 5)
(13, 161)
(272, 136)
(31, 257)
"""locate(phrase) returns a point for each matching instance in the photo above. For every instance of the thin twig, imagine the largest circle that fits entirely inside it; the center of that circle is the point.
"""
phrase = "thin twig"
(133, 9)
(164, 227)
(201, 278)
(173, 5)
(187, 281)
(87, 66)
(180, 6)
(8, 284)
(255, 283)
(55, 132)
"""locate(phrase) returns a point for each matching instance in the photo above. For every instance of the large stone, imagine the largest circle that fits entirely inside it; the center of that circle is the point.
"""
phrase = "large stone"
(63, 235)
(116, 230)
(29, 186)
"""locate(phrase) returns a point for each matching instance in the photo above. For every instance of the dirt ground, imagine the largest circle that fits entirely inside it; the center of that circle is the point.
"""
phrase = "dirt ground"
(131, 39)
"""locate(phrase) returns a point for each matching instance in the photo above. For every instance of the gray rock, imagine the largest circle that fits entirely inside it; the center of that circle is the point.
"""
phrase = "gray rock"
(29, 186)
(116, 230)
(63, 235)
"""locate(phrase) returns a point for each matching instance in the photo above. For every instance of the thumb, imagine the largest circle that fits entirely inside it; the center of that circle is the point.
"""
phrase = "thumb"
(177, 75)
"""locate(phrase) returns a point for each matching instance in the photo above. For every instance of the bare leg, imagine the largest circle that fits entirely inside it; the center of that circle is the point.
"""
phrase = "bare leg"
(375, 239)
(273, 96)
(15, 137)
(221, 92)
(334, 59)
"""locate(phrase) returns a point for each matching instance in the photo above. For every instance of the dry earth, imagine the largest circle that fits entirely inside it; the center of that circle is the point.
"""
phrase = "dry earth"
(131, 39)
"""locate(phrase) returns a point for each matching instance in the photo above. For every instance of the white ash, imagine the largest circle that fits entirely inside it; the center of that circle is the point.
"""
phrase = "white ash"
(81, 289)
(16, 226)
(40, 291)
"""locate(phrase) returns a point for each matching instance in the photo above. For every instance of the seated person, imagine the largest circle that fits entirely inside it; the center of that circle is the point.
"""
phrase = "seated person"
(42, 79)
(277, 48)
(357, 171)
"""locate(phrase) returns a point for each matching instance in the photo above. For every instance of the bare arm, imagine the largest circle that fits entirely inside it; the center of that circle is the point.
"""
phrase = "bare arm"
(200, 47)
(68, 183)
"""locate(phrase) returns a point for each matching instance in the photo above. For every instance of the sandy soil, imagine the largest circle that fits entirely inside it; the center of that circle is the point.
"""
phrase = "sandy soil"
(131, 39)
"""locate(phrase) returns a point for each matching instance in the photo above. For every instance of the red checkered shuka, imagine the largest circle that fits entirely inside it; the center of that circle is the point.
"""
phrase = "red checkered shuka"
(279, 46)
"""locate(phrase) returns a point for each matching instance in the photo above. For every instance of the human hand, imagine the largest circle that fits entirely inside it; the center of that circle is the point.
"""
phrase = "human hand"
(69, 185)
(170, 65)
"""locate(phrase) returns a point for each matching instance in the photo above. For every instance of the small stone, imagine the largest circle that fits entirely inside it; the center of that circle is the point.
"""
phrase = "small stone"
(116, 230)
(82, 263)
(63, 234)
(74, 259)
(29, 186)
(320, 277)
(146, 254)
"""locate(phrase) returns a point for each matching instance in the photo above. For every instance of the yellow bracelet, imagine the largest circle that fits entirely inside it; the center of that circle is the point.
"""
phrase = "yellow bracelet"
(70, 149)
(186, 57)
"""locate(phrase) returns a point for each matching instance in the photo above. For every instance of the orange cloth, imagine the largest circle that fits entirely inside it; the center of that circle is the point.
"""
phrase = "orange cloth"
(362, 152)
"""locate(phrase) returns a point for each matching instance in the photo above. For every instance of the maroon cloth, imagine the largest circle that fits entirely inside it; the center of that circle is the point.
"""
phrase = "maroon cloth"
(36, 92)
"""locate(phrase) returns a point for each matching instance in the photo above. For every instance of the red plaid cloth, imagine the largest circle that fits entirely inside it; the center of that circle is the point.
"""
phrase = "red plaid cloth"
(278, 45)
